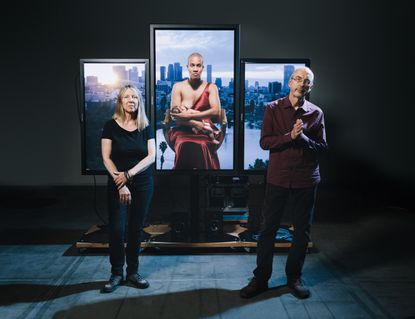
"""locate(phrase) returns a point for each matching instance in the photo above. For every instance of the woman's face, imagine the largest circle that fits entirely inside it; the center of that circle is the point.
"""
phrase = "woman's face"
(129, 101)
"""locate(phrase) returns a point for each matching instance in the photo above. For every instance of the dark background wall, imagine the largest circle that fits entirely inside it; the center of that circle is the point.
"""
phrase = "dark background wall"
(358, 51)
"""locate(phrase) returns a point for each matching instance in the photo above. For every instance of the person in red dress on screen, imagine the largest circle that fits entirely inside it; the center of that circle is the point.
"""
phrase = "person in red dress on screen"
(194, 102)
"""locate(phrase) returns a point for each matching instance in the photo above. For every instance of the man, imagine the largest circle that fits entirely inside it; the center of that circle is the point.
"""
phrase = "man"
(194, 102)
(293, 131)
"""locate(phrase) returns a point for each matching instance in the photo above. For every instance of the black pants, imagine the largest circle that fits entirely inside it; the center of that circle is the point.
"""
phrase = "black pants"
(127, 221)
(302, 208)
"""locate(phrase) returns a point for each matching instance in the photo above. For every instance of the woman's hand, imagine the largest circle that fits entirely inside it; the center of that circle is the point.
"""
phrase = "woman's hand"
(125, 195)
(120, 180)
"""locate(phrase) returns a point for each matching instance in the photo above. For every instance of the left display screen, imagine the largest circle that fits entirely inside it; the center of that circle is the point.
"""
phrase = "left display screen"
(101, 80)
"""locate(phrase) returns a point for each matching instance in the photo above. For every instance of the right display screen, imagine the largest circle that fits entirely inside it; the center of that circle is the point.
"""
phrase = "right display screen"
(263, 81)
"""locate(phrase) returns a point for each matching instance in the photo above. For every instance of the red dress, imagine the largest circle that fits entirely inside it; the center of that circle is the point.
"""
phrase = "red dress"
(194, 150)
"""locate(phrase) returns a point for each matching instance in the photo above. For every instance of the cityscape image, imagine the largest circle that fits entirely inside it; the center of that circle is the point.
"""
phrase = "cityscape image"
(101, 84)
(264, 82)
(172, 49)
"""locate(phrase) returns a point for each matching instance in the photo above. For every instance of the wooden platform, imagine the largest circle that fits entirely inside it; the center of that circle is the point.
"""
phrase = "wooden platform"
(95, 238)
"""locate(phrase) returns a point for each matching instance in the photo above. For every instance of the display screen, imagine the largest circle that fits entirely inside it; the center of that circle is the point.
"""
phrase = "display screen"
(195, 142)
(263, 81)
(101, 80)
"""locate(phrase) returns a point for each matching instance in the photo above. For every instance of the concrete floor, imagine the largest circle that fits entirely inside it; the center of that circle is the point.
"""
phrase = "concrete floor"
(363, 267)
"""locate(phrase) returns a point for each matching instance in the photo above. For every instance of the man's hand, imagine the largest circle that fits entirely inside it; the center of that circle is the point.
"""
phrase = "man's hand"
(183, 115)
(297, 129)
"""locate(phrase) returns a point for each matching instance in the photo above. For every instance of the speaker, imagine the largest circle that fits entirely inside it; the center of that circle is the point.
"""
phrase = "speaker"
(214, 224)
(216, 196)
(180, 226)
(239, 196)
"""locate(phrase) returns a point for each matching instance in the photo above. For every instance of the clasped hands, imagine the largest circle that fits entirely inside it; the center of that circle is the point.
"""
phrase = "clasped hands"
(120, 181)
(297, 129)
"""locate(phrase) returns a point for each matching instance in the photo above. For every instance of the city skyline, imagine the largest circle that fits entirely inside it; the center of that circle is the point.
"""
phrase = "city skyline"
(263, 73)
(173, 72)
(106, 72)
(216, 46)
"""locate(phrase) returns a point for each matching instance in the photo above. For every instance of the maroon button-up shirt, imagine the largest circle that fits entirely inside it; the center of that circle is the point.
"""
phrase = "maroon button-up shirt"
(293, 163)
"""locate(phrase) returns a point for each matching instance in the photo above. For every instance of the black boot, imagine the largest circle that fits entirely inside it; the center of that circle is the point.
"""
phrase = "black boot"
(255, 287)
(113, 283)
(298, 289)
(137, 281)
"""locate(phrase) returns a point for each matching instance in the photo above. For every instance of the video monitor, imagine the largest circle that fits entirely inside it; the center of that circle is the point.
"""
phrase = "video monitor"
(194, 77)
(100, 82)
(263, 81)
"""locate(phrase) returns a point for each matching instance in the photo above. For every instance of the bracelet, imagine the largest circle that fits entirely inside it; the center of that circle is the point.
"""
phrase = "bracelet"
(127, 176)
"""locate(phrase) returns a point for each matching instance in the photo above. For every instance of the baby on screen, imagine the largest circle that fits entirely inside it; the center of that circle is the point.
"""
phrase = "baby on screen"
(208, 128)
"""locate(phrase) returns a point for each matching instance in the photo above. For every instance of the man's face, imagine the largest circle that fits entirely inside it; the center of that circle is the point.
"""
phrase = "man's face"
(195, 67)
(300, 84)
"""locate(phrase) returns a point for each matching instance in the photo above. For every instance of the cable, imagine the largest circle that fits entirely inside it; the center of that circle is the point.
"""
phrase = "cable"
(80, 118)
(95, 203)
(77, 96)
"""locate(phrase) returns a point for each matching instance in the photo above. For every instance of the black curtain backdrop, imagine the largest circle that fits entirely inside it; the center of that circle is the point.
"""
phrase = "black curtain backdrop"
(358, 51)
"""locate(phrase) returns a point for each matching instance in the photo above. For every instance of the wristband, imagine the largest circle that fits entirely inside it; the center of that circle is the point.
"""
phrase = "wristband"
(127, 176)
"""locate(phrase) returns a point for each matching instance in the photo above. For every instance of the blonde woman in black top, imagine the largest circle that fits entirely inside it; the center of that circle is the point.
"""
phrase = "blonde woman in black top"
(128, 152)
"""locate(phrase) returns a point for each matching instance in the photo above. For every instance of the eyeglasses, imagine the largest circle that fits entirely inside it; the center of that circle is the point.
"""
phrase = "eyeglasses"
(299, 79)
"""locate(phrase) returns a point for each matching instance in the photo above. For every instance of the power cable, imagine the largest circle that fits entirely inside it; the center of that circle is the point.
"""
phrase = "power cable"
(81, 120)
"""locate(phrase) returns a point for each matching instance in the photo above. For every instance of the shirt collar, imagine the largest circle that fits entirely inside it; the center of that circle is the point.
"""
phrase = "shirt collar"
(287, 104)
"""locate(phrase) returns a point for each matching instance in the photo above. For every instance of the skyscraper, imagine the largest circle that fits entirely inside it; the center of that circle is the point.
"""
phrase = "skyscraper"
(121, 72)
(288, 70)
(133, 74)
(209, 73)
(142, 77)
(91, 80)
(218, 82)
(177, 72)
(274, 87)
(170, 73)
(163, 73)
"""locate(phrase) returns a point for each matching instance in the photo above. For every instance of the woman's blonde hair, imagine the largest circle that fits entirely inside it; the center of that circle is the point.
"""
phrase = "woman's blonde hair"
(139, 115)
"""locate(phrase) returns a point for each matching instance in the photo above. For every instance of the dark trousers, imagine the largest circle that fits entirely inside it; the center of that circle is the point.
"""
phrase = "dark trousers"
(302, 207)
(126, 221)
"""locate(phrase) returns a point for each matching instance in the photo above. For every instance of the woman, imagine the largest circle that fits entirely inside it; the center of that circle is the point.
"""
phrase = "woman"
(128, 150)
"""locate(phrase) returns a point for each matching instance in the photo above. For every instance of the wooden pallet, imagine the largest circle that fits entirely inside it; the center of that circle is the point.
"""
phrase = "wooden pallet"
(155, 231)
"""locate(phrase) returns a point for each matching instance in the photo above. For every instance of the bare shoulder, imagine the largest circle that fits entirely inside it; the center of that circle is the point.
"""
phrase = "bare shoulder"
(213, 87)
(179, 85)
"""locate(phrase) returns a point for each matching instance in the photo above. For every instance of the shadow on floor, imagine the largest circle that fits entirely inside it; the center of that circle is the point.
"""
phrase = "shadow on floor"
(17, 293)
(190, 304)
(39, 236)
(25, 293)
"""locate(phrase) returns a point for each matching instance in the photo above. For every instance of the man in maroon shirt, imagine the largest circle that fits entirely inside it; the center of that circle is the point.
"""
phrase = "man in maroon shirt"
(293, 131)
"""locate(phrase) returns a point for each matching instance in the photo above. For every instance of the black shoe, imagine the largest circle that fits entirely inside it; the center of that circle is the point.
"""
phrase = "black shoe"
(255, 287)
(298, 289)
(137, 281)
(113, 283)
